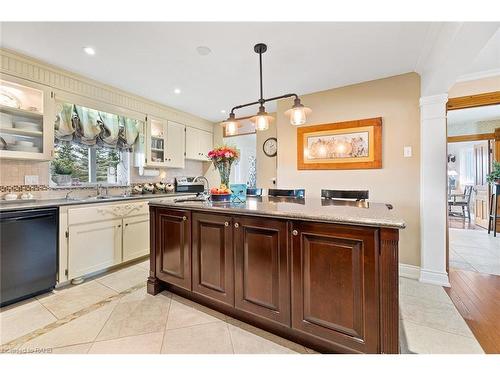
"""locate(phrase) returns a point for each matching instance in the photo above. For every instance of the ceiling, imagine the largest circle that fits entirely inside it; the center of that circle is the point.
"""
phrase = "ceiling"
(152, 59)
(467, 115)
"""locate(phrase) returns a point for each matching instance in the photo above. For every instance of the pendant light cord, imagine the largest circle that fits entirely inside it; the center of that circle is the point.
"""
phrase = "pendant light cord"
(261, 90)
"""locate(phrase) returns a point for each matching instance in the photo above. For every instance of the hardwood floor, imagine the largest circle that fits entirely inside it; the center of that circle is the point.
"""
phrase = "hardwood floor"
(477, 298)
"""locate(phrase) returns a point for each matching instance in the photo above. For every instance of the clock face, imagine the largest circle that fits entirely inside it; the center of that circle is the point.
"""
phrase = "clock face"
(270, 146)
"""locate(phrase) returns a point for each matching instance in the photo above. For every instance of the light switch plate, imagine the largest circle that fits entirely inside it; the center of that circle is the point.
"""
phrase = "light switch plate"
(31, 180)
(407, 152)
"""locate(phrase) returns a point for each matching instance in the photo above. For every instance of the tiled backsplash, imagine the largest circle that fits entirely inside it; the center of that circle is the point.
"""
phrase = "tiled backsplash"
(12, 173)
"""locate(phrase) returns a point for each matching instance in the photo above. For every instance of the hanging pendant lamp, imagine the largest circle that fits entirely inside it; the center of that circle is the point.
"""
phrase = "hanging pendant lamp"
(298, 113)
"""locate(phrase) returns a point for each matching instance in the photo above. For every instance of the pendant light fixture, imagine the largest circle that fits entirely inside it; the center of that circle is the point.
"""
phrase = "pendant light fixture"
(298, 113)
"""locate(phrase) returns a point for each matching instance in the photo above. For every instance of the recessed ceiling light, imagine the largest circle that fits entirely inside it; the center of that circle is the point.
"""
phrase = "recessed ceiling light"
(223, 111)
(203, 50)
(177, 91)
(89, 51)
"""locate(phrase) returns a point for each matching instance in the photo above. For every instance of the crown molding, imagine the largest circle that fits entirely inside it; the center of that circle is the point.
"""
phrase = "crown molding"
(479, 75)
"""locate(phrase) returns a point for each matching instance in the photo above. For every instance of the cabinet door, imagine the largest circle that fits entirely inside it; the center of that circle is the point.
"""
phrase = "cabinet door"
(198, 143)
(173, 247)
(32, 103)
(94, 246)
(176, 140)
(156, 133)
(206, 144)
(192, 143)
(262, 283)
(335, 284)
(213, 257)
(135, 237)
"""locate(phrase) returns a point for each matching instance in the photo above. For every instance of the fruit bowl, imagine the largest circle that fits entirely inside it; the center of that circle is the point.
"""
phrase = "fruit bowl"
(220, 197)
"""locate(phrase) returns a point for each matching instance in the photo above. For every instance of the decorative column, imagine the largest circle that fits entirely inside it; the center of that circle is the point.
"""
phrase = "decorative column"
(433, 189)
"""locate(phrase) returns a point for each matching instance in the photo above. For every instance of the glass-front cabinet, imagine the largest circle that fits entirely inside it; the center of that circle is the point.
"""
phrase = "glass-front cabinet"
(156, 138)
(165, 143)
(26, 119)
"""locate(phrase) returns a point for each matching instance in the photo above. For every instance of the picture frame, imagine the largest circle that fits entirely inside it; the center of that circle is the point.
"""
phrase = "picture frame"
(344, 145)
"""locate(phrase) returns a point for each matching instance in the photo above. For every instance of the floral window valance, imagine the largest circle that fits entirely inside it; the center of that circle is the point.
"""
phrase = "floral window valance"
(91, 127)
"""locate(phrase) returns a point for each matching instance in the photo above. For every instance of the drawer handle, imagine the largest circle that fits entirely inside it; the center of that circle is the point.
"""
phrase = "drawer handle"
(226, 224)
(184, 218)
(294, 232)
(236, 225)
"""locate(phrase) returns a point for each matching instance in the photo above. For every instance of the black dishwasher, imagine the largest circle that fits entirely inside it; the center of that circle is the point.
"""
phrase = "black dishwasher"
(28, 253)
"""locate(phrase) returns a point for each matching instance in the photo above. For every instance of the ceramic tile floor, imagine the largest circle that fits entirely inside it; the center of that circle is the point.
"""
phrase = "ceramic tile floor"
(114, 314)
(475, 250)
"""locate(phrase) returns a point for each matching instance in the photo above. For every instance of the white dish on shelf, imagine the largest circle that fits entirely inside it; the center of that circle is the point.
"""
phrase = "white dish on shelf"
(23, 148)
(6, 121)
(25, 143)
(26, 125)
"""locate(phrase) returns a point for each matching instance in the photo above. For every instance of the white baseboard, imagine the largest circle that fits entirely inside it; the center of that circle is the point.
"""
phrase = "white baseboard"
(435, 278)
(409, 271)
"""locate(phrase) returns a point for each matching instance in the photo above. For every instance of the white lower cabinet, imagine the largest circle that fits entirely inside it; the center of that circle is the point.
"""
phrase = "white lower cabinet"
(135, 237)
(94, 246)
(99, 236)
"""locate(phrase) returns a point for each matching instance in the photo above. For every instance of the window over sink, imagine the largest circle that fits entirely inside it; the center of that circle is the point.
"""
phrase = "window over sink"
(78, 165)
(92, 146)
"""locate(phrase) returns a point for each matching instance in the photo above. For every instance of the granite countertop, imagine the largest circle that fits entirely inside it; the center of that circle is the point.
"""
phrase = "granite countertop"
(20, 204)
(310, 209)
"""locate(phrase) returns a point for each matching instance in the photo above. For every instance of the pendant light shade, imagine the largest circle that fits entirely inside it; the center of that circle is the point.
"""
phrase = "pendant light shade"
(262, 119)
(298, 113)
(231, 125)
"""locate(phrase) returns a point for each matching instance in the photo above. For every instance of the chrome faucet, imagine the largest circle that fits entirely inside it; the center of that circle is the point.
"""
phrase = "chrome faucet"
(68, 195)
(206, 184)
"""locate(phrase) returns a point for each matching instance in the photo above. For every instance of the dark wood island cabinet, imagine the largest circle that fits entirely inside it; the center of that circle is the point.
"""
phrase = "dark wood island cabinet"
(329, 285)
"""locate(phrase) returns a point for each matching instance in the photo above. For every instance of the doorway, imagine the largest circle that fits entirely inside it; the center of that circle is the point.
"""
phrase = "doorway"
(472, 148)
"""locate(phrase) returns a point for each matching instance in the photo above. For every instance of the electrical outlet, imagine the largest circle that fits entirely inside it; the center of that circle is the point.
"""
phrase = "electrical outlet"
(31, 180)
(407, 152)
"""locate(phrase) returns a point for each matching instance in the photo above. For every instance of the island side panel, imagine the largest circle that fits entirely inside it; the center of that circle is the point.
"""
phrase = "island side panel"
(153, 285)
(389, 291)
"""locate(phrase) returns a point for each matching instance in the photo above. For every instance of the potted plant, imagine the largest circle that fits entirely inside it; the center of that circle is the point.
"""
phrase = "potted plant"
(222, 158)
(494, 176)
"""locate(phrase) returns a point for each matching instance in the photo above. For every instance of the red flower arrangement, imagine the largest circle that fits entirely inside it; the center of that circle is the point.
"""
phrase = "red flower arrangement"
(224, 153)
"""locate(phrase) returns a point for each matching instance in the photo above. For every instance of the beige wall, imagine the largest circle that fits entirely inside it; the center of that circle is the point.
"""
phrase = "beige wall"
(475, 87)
(396, 100)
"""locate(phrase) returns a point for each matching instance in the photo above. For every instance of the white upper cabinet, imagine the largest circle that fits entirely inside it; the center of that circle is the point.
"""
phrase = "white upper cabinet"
(26, 120)
(198, 143)
(164, 143)
(156, 142)
(176, 140)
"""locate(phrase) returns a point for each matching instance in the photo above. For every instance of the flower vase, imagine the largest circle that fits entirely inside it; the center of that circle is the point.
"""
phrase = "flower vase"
(224, 168)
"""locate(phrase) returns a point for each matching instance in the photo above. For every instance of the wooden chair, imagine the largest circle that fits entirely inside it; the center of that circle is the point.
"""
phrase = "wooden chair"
(461, 200)
(254, 192)
(357, 195)
(293, 193)
(493, 216)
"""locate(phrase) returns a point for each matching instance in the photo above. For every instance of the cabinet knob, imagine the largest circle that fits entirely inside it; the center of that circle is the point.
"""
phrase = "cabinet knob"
(226, 224)
(184, 218)
(236, 225)
(119, 225)
(126, 225)
(294, 232)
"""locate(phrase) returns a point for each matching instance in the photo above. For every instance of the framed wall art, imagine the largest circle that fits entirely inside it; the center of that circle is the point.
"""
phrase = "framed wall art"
(343, 145)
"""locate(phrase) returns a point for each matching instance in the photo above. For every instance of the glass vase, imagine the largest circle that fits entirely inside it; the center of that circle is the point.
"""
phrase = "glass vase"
(224, 168)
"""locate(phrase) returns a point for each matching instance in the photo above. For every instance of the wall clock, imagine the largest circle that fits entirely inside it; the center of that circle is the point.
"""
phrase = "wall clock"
(270, 147)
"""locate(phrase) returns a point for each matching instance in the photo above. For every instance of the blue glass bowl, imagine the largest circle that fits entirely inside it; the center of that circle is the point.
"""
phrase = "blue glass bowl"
(220, 197)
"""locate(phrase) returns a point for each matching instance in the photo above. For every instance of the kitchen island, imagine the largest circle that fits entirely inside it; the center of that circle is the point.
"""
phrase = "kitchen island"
(322, 273)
